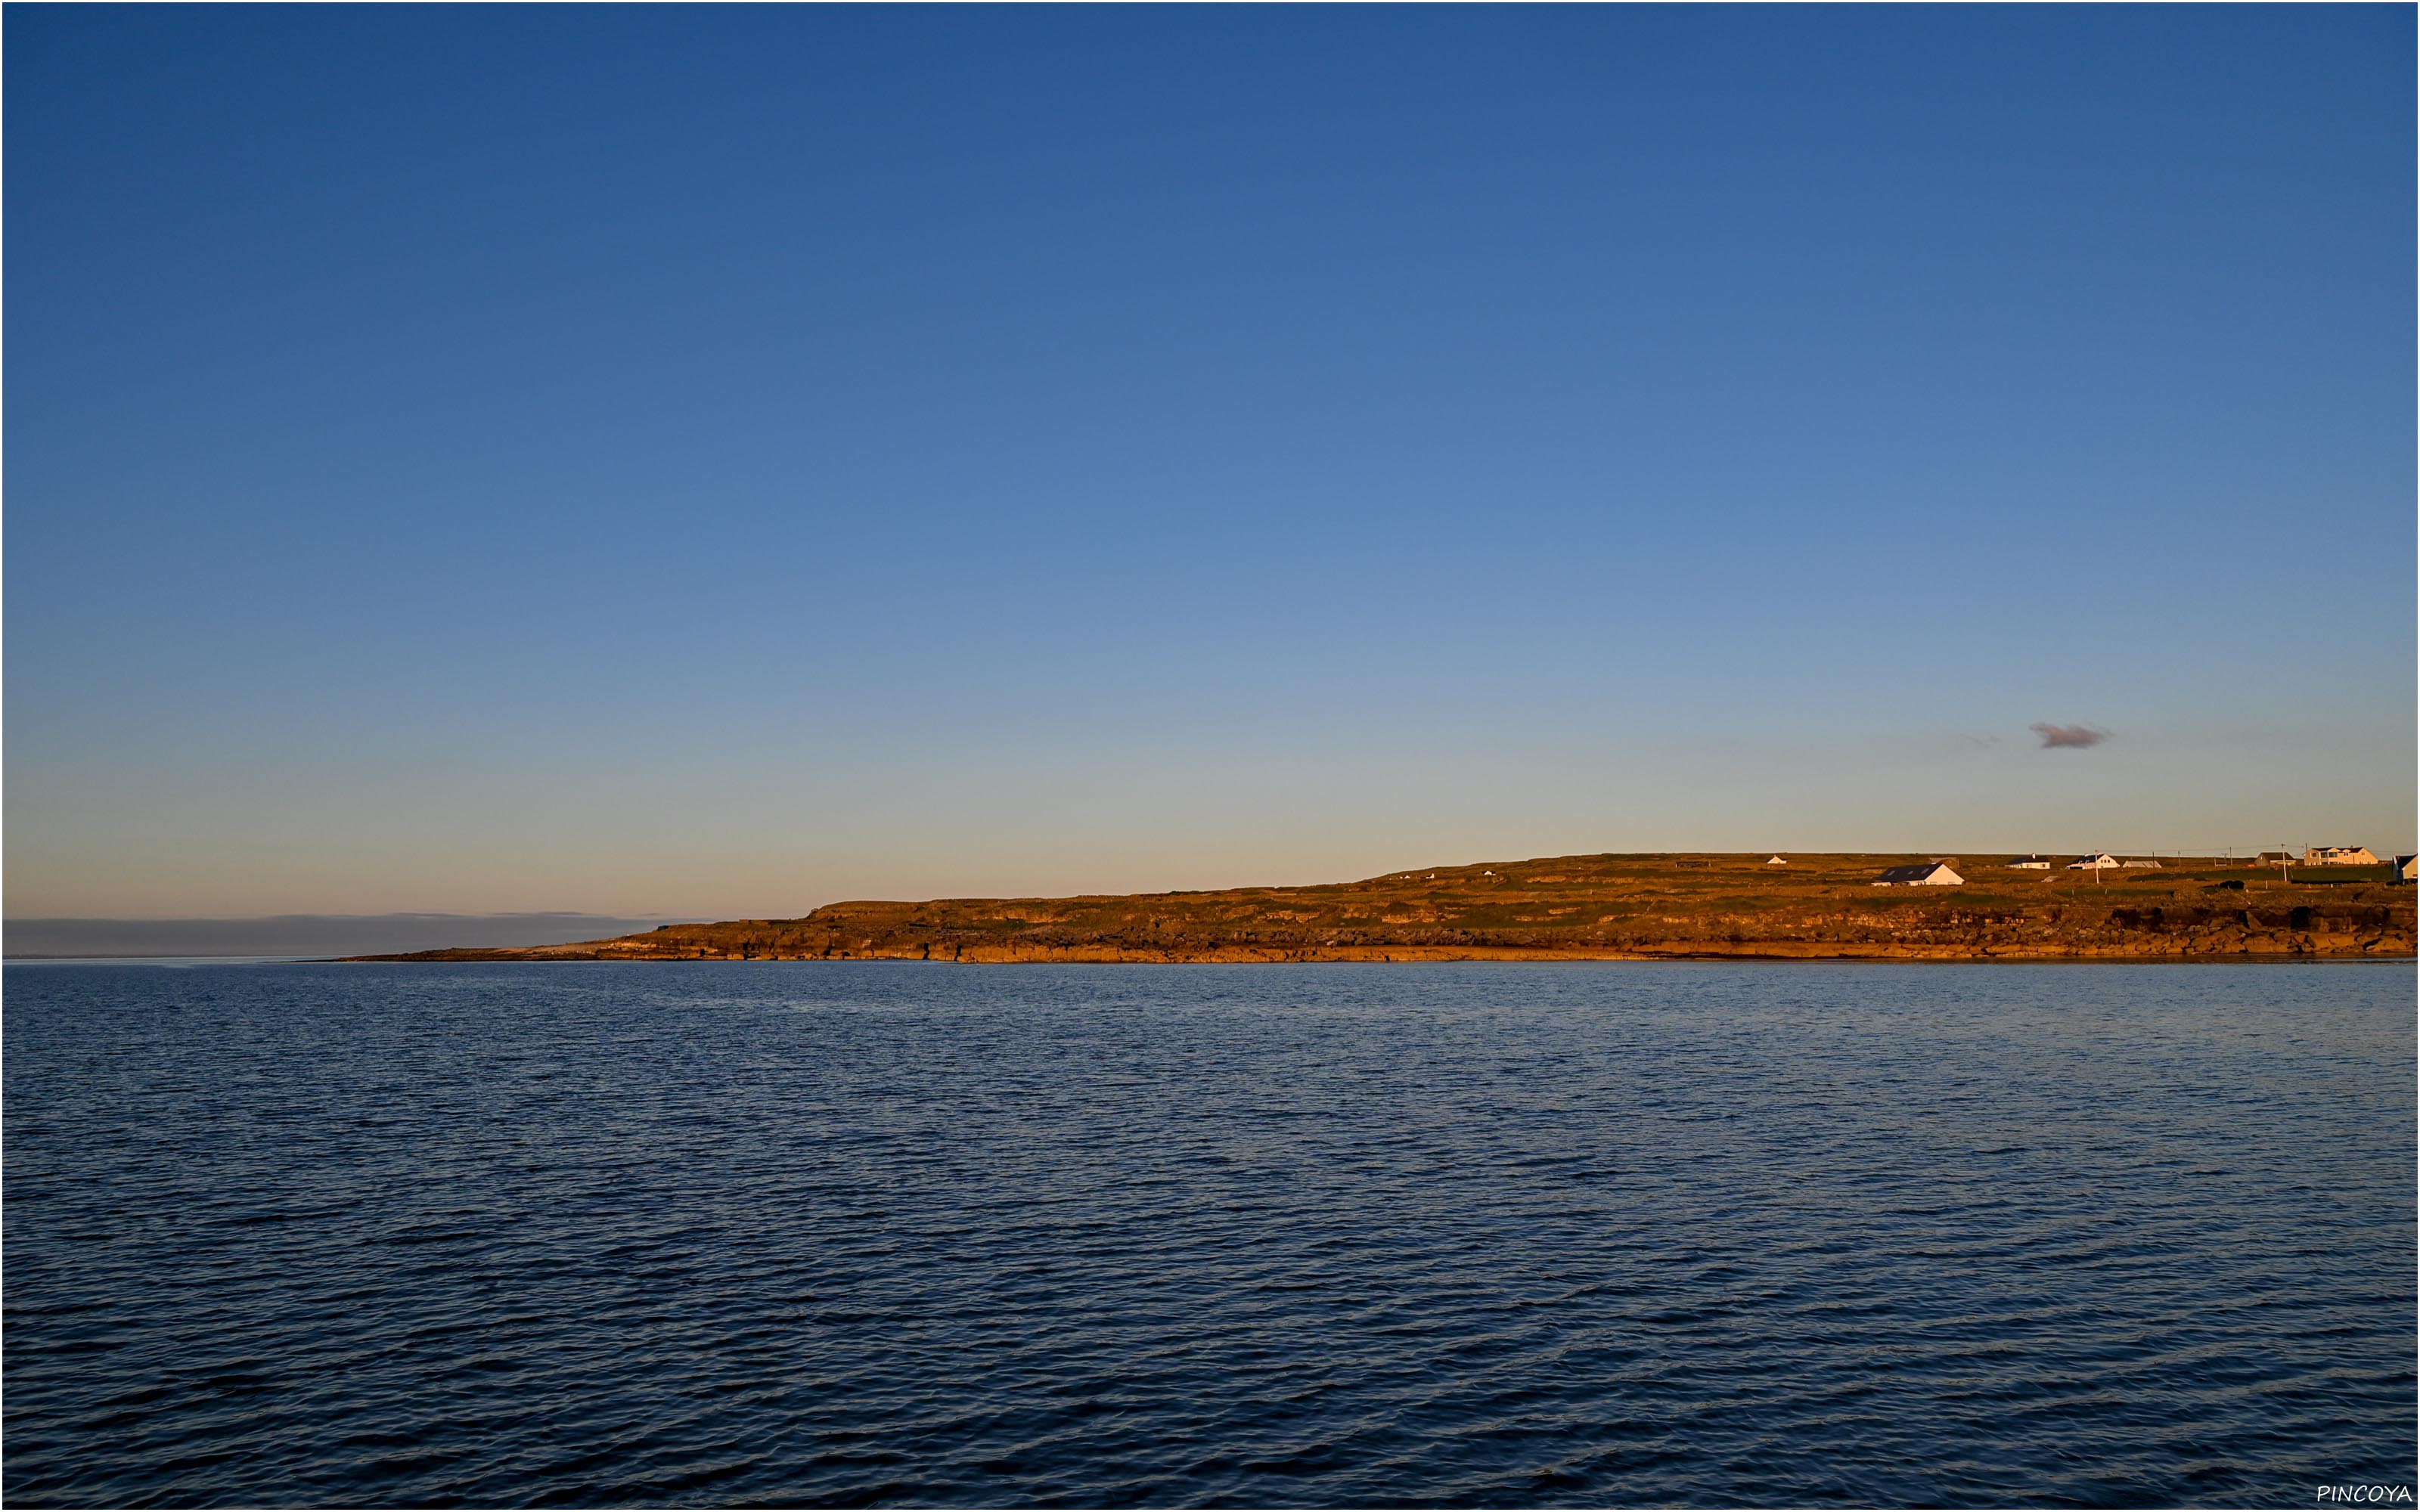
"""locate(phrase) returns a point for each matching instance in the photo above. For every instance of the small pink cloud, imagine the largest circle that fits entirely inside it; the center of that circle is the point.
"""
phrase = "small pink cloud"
(2069, 737)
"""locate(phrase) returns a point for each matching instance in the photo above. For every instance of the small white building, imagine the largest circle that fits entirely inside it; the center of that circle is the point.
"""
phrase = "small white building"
(2029, 863)
(2140, 863)
(1776, 861)
(2405, 869)
(2338, 855)
(2093, 863)
(1927, 874)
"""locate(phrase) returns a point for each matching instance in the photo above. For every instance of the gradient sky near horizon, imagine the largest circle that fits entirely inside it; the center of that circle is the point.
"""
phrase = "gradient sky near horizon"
(716, 461)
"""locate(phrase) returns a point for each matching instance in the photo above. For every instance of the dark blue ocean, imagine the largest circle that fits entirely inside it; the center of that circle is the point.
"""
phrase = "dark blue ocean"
(860, 1233)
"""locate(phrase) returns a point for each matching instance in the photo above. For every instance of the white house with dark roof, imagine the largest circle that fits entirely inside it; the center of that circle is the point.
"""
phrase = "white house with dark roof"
(1924, 874)
(2029, 863)
(2103, 862)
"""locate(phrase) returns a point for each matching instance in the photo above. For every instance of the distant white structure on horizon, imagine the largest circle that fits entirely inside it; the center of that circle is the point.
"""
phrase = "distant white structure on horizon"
(1776, 861)
(1927, 874)
(2029, 863)
(2405, 868)
(2140, 863)
(2092, 863)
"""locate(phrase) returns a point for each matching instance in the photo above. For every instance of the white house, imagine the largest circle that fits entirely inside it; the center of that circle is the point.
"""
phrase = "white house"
(2338, 855)
(2406, 869)
(2140, 863)
(1777, 861)
(2092, 863)
(2030, 863)
(1929, 874)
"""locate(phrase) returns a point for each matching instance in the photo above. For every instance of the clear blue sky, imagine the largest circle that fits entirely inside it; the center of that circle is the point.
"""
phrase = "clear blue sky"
(712, 461)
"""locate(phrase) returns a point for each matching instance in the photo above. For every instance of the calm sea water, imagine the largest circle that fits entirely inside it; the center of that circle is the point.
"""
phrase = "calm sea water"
(856, 1233)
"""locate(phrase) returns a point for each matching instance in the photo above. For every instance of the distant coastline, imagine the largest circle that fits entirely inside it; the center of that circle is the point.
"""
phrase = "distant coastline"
(1611, 907)
(292, 936)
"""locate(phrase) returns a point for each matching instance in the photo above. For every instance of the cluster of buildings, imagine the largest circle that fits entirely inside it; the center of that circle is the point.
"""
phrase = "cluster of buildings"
(2399, 868)
(1938, 873)
(2334, 855)
(2098, 861)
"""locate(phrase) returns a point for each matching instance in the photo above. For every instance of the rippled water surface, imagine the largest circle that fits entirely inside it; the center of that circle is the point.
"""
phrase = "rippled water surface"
(851, 1233)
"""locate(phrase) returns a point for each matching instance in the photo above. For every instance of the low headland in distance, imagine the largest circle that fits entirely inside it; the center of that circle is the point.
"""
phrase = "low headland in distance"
(1619, 907)
(297, 935)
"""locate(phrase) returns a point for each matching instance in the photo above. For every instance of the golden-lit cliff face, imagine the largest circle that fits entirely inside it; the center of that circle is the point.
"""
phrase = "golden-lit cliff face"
(1604, 907)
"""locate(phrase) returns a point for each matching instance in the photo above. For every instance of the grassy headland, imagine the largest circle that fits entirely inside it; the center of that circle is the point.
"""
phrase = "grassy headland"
(1599, 907)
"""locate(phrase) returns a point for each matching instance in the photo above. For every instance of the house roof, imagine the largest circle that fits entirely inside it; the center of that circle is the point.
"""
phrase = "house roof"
(1911, 873)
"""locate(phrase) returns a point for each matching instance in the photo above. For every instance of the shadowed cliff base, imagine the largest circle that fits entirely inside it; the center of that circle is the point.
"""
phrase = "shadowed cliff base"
(1601, 908)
